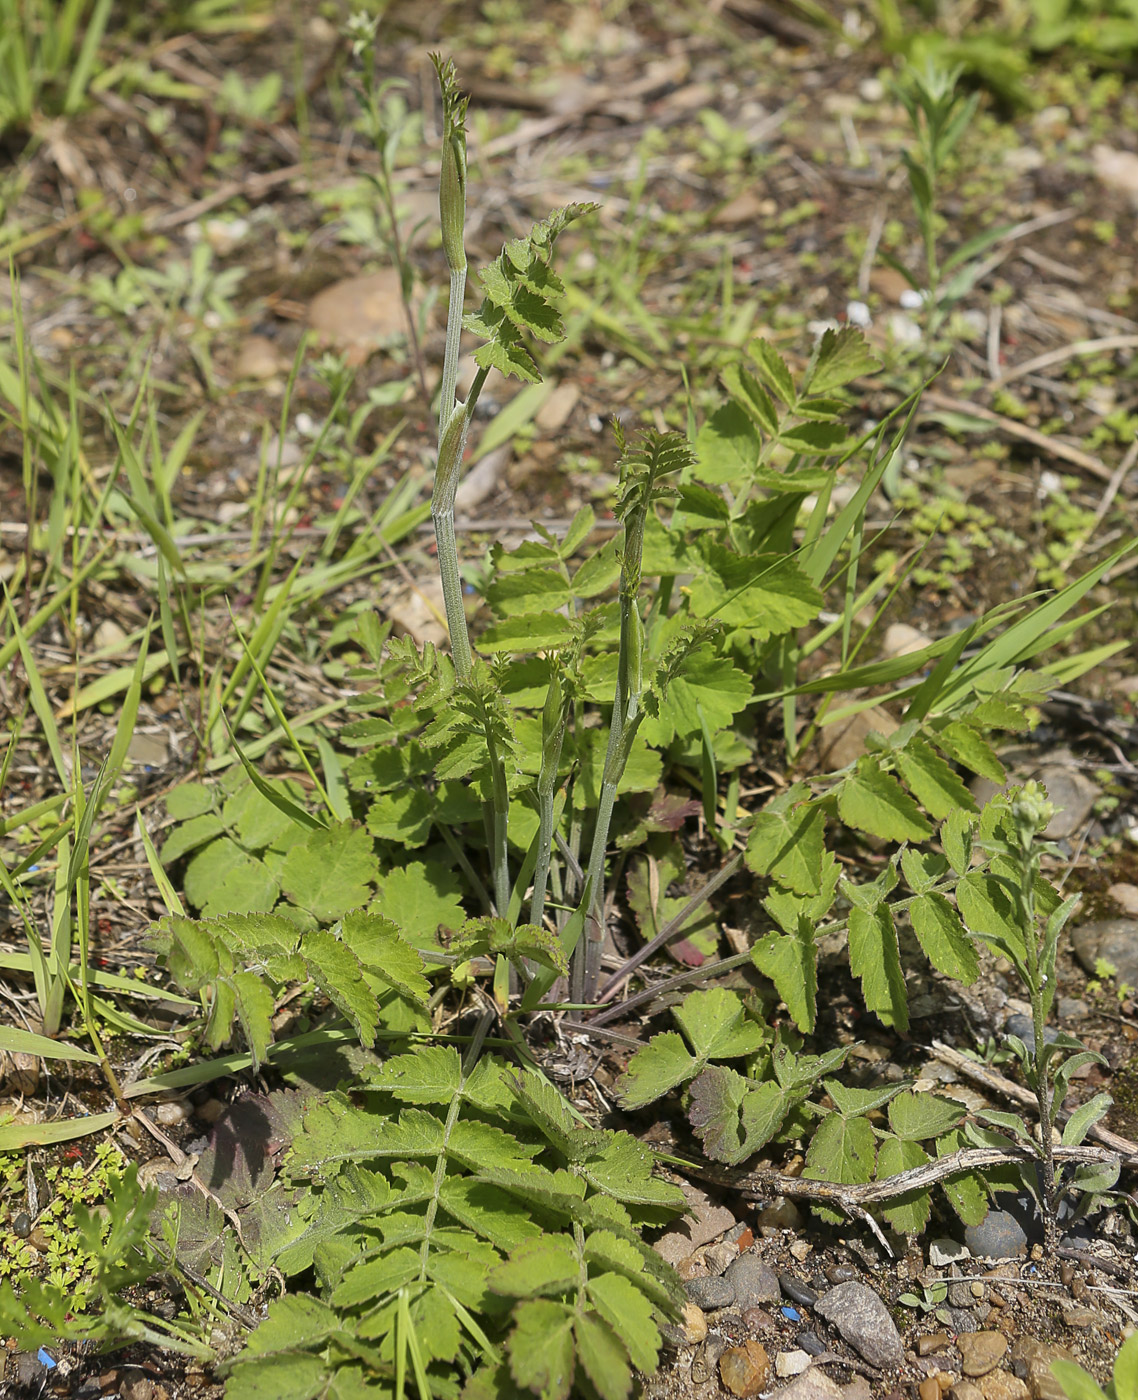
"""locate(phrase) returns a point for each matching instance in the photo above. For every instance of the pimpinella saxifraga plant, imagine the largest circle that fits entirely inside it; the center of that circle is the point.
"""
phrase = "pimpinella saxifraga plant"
(458, 1224)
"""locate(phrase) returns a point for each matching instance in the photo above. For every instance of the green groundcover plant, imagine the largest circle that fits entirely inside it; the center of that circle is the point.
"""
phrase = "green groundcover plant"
(441, 1220)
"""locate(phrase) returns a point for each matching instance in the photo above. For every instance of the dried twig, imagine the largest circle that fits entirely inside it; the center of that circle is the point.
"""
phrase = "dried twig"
(1055, 447)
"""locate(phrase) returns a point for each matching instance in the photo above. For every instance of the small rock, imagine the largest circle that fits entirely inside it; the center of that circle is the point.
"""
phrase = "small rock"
(797, 1291)
(694, 1266)
(420, 612)
(902, 640)
(1032, 1360)
(932, 1342)
(863, 1320)
(134, 1384)
(841, 1273)
(745, 208)
(1113, 940)
(694, 1324)
(1071, 1009)
(707, 1357)
(998, 1236)
(359, 311)
(858, 1389)
(554, 413)
(981, 1352)
(801, 1250)
(967, 1390)
(790, 1363)
(704, 1222)
(781, 1214)
(710, 1293)
(1126, 897)
(758, 1319)
(1002, 1385)
(871, 90)
(172, 1112)
(210, 1111)
(1078, 1318)
(745, 1369)
(24, 1073)
(1117, 170)
(108, 634)
(259, 358)
(483, 479)
(928, 1389)
(843, 742)
(944, 1252)
(889, 283)
(811, 1343)
(1073, 795)
(719, 1257)
(753, 1281)
(813, 1384)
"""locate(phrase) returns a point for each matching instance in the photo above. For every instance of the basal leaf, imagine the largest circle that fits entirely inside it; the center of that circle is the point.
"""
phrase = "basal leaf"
(870, 800)
(375, 1278)
(841, 357)
(943, 938)
(771, 369)
(623, 1170)
(915, 1117)
(966, 1193)
(661, 1065)
(383, 952)
(876, 962)
(429, 1074)
(707, 689)
(752, 398)
(727, 446)
(330, 870)
(765, 594)
(842, 1149)
(962, 743)
(421, 898)
(733, 1116)
(295, 1375)
(717, 1026)
(254, 1004)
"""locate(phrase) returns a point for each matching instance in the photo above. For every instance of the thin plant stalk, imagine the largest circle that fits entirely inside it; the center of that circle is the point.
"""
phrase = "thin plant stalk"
(553, 723)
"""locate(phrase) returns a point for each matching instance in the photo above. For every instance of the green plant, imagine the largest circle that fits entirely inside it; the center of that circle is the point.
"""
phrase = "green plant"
(1078, 1385)
(49, 51)
(939, 115)
(99, 1246)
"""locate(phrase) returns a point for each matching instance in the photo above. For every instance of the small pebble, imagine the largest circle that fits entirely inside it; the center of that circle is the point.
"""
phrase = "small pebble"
(791, 1363)
(781, 1214)
(967, 1390)
(720, 1256)
(841, 1273)
(694, 1266)
(1002, 1385)
(797, 1291)
(745, 1370)
(981, 1352)
(944, 1252)
(753, 1281)
(932, 1341)
(210, 1111)
(928, 1389)
(946, 1380)
(864, 1322)
(757, 1319)
(710, 1293)
(811, 1343)
(1066, 1273)
(169, 1114)
(1078, 1318)
(1079, 1289)
(693, 1323)
(800, 1250)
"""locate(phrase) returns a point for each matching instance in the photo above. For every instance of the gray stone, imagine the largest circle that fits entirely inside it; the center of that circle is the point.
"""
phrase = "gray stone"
(1024, 1027)
(863, 1320)
(710, 1293)
(1113, 940)
(961, 1319)
(813, 1384)
(753, 1281)
(998, 1236)
(943, 1252)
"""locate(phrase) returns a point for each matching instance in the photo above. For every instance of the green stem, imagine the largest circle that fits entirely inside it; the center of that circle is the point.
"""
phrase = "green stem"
(452, 443)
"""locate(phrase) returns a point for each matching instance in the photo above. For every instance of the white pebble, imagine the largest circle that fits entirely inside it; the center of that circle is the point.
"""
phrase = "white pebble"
(858, 314)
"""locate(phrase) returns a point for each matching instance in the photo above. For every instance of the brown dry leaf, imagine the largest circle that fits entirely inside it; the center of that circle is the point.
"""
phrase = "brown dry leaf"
(554, 412)
(746, 208)
(258, 358)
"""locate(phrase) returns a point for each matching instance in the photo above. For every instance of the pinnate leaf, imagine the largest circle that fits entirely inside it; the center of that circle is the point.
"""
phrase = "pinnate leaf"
(790, 960)
(908, 1214)
(660, 1066)
(540, 1267)
(914, 1117)
(628, 1312)
(603, 1357)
